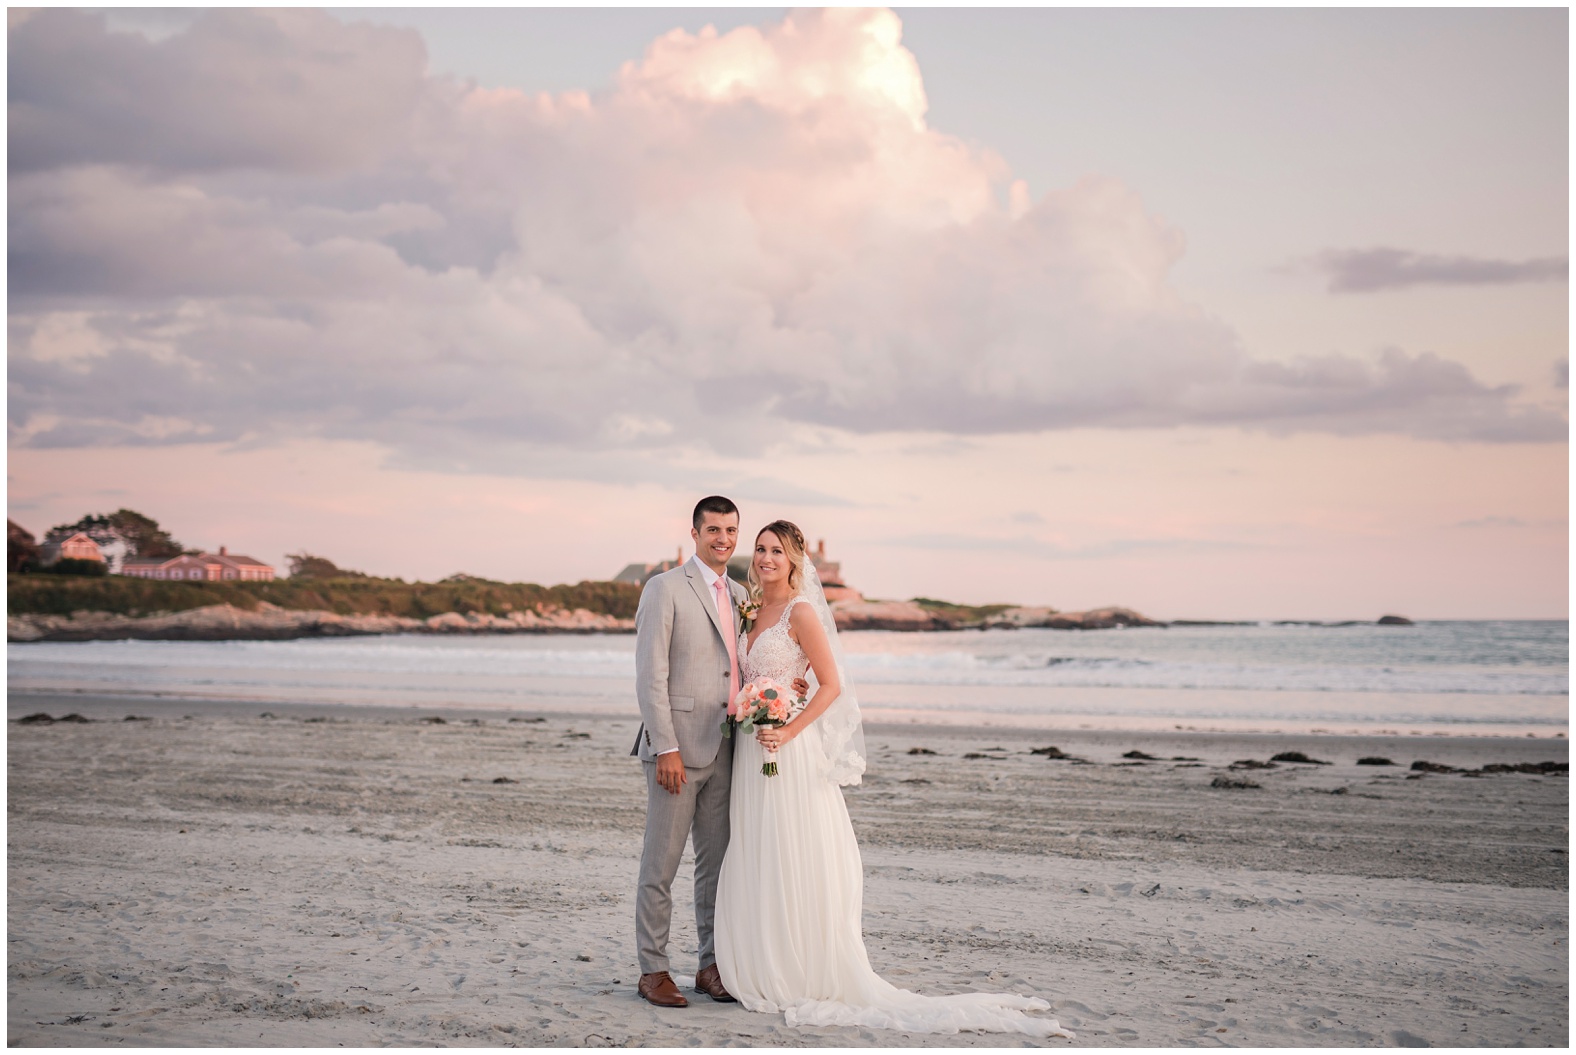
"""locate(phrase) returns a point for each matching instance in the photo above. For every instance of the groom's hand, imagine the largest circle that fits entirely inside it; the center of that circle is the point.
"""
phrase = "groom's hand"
(670, 772)
(801, 687)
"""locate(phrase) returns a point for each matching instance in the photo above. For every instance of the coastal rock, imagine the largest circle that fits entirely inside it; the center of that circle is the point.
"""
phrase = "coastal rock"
(19, 628)
(884, 615)
(909, 615)
(1545, 768)
(447, 621)
(1050, 618)
(1097, 619)
(1013, 618)
(1395, 620)
(223, 622)
(376, 624)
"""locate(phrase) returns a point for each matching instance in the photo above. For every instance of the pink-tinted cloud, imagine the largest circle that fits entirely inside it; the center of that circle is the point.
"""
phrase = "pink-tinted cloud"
(275, 224)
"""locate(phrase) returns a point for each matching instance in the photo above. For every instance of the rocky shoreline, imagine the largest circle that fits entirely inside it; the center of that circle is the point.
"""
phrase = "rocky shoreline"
(226, 622)
(908, 615)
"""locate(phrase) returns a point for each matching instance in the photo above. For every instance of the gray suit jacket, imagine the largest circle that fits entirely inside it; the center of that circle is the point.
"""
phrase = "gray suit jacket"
(681, 665)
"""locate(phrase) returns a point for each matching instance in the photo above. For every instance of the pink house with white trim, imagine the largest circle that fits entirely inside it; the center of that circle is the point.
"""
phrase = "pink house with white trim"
(78, 546)
(209, 567)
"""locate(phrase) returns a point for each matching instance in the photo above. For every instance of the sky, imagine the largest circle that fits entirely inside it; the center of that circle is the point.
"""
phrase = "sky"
(1225, 314)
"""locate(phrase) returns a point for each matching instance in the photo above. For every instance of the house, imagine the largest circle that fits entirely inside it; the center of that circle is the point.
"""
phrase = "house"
(76, 546)
(211, 567)
(831, 573)
(639, 573)
(104, 545)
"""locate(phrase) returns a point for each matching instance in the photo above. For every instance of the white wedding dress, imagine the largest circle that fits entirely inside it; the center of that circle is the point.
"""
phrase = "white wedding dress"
(790, 898)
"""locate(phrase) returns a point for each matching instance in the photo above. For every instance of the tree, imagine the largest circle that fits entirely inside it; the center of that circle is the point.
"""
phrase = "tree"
(141, 534)
(21, 548)
(306, 566)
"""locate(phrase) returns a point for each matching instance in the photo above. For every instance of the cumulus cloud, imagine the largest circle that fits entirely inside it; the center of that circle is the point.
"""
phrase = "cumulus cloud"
(1372, 270)
(273, 223)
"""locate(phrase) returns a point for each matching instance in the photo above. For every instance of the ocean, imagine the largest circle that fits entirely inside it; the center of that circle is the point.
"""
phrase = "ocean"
(1461, 677)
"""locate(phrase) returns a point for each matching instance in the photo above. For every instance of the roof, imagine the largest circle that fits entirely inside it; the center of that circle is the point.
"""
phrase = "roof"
(631, 573)
(232, 559)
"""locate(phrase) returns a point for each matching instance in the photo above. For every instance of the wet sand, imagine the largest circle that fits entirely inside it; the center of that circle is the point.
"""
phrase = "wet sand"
(362, 877)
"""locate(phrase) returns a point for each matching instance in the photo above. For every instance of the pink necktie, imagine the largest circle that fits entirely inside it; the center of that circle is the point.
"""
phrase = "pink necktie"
(725, 610)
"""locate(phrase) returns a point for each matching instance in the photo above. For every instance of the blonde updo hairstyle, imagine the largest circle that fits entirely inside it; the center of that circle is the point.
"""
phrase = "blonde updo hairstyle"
(793, 548)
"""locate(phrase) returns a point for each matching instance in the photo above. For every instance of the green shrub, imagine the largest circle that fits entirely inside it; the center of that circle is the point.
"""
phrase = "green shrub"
(76, 566)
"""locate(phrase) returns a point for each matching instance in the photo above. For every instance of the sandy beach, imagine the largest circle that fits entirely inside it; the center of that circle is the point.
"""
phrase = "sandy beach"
(325, 876)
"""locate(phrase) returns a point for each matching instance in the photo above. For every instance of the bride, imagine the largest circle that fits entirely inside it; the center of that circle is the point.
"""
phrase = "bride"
(790, 896)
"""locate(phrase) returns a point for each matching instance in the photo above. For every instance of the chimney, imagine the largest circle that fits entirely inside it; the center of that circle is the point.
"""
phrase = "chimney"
(224, 551)
(820, 549)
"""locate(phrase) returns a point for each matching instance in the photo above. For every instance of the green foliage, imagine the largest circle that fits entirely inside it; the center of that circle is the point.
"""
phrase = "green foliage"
(21, 548)
(144, 535)
(126, 595)
(76, 566)
(961, 615)
(306, 566)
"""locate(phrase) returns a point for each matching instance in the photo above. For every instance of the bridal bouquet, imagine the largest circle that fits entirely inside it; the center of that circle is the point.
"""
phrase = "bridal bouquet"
(761, 702)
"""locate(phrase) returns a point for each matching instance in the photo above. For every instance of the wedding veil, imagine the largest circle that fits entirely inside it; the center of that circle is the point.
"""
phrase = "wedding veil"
(842, 730)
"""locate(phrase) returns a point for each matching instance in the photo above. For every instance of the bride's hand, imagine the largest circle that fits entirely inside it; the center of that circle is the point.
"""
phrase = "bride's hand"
(772, 738)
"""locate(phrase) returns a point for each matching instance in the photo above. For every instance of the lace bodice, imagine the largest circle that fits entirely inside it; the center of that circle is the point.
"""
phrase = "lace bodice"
(775, 655)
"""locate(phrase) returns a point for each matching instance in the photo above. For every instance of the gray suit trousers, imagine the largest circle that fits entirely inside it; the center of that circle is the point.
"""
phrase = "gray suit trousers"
(700, 811)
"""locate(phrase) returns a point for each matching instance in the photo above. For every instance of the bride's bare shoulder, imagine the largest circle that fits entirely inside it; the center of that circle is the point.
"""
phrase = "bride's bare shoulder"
(803, 624)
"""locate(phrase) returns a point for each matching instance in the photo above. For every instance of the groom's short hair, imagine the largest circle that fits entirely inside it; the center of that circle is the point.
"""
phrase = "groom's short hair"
(712, 504)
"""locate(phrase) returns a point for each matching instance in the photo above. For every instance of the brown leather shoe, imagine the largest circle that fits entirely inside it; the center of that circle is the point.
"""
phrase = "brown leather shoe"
(659, 989)
(709, 981)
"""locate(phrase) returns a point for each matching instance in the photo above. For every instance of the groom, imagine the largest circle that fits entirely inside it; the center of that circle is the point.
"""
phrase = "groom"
(686, 671)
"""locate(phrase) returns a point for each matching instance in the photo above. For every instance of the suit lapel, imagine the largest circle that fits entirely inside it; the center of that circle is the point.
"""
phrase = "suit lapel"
(707, 600)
